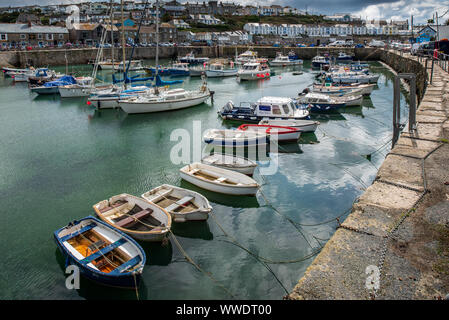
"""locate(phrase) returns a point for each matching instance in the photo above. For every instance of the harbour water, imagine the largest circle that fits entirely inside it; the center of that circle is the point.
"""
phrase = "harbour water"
(60, 156)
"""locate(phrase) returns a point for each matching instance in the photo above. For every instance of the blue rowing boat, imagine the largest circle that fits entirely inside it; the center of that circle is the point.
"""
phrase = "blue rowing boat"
(103, 254)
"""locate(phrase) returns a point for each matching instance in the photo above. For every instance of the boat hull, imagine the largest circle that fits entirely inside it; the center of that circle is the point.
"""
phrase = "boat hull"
(250, 190)
(74, 92)
(284, 63)
(221, 73)
(133, 107)
(45, 90)
(308, 126)
(254, 76)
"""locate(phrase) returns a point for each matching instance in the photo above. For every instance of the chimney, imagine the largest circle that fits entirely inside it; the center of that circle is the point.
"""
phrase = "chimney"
(29, 23)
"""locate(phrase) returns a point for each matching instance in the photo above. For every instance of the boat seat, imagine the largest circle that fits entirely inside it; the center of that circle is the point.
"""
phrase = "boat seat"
(130, 220)
(194, 171)
(221, 179)
(96, 245)
(179, 203)
(213, 160)
(128, 264)
(103, 251)
(115, 205)
(80, 231)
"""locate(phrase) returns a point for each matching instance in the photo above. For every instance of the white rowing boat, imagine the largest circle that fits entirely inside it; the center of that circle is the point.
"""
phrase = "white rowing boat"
(182, 204)
(234, 138)
(218, 179)
(230, 162)
(135, 216)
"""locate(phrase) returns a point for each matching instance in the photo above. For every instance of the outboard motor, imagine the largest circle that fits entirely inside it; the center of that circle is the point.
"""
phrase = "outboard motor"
(228, 107)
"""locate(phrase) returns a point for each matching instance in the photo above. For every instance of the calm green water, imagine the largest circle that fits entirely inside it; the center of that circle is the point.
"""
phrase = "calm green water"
(59, 157)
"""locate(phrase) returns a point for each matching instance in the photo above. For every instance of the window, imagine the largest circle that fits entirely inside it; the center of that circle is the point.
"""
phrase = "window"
(3, 36)
(39, 36)
(61, 36)
(49, 36)
(276, 110)
(23, 36)
(286, 109)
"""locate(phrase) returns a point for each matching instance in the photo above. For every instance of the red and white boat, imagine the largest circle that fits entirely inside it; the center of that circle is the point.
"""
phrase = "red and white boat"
(283, 133)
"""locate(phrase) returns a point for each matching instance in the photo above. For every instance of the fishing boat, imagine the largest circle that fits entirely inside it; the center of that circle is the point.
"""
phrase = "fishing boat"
(351, 77)
(319, 62)
(108, 64)
(254, 71)
(52, 87)
(218, 179)
(230, 162)
(198, 71)
(234, 138)
(303, 125)
(248, 56)
(217, 70)
(329, 88)
(135, 216)
(102, 253)
(265, 108)
(293, 56)
(283, 133)
(81, 88)
(21, 76)
(179, 69)
(322, 102)
(342, 57)
(283, 61)
(168, 100)
(182, 204)
(191, 59)
(9, 71)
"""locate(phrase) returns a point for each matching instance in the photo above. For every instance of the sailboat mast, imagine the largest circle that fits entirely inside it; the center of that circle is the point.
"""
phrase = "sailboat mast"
(157, 37)
(123, 44)
(112, 34)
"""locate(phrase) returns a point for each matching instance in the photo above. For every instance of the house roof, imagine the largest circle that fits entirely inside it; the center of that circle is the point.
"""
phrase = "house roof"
(25, 28)
(85, 26)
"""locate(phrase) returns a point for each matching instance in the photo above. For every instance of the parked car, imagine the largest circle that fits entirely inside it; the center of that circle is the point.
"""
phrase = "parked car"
(359, 45)
(376, 43)
(337, 43)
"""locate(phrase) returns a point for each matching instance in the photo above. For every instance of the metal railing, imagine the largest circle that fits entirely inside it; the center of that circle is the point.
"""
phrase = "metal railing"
(397, 126)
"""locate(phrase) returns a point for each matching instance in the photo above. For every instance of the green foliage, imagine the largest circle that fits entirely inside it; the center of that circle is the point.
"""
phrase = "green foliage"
(9, 17)
(45, 21)
(166, 17)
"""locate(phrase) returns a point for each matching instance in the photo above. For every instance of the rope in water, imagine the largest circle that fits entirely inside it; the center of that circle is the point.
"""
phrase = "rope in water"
(189, 259)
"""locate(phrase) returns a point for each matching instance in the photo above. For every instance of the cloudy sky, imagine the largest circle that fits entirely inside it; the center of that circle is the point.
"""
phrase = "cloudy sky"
(371, 9)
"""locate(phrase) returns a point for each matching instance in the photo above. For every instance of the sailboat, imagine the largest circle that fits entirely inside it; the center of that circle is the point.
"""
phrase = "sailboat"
(166, 100)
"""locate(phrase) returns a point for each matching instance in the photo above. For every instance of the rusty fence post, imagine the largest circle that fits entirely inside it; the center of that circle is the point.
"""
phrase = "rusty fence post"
(411, 77)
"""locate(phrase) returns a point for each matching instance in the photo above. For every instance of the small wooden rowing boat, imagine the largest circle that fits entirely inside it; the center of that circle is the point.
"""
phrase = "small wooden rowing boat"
(234, 138)
(135, 216)
(182, 204)
(303, 125)
(218, 179)
(102, 253)
(230, 162)
(283, 133)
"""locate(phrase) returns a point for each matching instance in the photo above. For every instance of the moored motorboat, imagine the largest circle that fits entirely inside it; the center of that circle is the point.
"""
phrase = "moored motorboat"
(283, 61)
(254, 71)
(135, 216)
(51, 87)
(231, 162)
(320, 62)
(281, 132)
(234, 138)
(342, 57)
(182, 204)
(217, 70)
(266, 107)
(218, 179)
(323, 102)
(327, 88)
(191, 59)
(179, 69)
(303, 125)
(102, 254)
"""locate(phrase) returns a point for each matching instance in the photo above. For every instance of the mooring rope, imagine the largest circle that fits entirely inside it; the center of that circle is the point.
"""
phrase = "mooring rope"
(189, 259)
